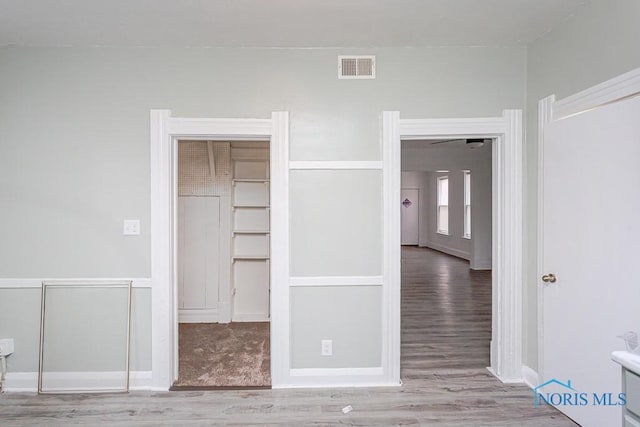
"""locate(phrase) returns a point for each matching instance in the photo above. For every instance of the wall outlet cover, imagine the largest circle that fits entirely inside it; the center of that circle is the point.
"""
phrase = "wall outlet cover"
(327, 348)
(131, 227)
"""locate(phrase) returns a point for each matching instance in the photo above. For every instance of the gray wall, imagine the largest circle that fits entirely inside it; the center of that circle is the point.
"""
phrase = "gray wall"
(424, 162)
(600, 42)
(74, 156)
(20, 319)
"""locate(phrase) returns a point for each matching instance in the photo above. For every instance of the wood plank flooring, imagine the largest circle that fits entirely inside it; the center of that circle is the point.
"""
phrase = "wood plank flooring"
(446, 322)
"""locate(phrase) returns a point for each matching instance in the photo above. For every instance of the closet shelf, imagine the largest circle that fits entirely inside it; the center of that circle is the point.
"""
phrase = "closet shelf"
(250, 180)
(251, 232)
(251, 206)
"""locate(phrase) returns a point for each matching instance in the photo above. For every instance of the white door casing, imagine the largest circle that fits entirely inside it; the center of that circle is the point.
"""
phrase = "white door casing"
(507, 195)
(589, 204)
(165, 131)
(410, 217)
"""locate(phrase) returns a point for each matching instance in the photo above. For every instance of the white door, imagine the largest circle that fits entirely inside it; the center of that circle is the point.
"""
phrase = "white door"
(198, 258)
(410, 216)
(591, 233)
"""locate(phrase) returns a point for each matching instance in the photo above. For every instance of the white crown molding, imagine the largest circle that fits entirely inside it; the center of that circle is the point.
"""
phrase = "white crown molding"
(612, 90)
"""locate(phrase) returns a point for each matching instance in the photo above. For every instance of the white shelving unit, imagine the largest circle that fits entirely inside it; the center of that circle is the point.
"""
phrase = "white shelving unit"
(250, 235)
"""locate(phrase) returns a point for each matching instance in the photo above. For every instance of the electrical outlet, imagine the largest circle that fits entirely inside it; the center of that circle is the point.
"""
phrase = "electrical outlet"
(6, 346)
(131, 227)
(327, 348)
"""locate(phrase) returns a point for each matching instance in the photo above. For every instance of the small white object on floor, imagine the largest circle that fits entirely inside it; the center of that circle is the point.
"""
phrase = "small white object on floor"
(347, 409)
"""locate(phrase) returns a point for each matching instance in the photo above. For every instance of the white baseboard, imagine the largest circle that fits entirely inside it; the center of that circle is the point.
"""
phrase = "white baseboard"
(531, 377)
(250, 317)
(447, 250)
(68, 381)
(506, 380)
(198, 316)
(336, 377)
(21, 382)
(224, 312)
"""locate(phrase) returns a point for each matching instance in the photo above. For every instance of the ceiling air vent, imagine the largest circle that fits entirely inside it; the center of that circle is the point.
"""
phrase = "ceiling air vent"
(357, 67)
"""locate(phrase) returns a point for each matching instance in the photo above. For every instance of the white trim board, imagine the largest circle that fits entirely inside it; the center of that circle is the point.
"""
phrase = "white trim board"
(336, 377)
(612, 90)
(187, 315)
(164, 134)
(530, 377)
(64, 381)
(549, 109)
(336, 281)
(37, 283)
(447, 250)
(507, 176)
(334, 165)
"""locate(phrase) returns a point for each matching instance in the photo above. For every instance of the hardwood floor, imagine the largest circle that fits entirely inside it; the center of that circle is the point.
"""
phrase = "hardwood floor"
(446, 320)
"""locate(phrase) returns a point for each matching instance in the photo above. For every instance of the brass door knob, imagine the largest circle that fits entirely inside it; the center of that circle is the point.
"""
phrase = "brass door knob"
(549, 278)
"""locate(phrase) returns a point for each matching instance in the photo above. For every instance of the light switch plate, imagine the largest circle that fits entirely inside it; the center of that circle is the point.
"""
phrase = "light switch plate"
(131, 227)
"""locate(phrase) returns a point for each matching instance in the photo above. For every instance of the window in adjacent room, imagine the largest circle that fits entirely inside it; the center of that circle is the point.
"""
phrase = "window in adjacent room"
(443, 205)
(467, 205)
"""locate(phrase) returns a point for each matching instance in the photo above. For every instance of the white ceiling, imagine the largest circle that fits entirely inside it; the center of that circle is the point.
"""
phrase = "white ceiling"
(280, 23)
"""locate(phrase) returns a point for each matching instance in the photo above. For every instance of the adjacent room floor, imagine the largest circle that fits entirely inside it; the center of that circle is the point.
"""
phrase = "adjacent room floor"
(446, 318)
(214, 355)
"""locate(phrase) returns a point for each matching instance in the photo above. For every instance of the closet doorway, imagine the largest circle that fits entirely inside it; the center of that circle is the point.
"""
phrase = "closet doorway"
(223, 236)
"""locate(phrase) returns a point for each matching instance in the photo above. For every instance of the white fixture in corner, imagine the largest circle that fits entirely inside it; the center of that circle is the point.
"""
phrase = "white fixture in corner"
(131, 227)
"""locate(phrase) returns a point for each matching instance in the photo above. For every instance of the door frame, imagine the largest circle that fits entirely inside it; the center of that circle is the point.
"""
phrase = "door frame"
(165, 132)
(549, 109)
(507, 220)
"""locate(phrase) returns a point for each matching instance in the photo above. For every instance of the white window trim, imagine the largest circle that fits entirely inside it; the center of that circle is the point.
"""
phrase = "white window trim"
(438, 205)
(465, 189)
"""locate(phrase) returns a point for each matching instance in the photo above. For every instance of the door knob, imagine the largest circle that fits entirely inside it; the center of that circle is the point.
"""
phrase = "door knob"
(549, 278)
